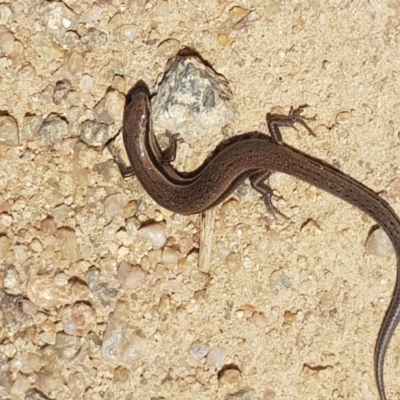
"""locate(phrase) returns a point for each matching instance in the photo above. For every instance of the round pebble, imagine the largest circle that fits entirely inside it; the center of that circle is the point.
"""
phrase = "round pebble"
(78, 319)
(8, 131)
(379, 244)
(168, 48)
(154, 233)
(216, 356)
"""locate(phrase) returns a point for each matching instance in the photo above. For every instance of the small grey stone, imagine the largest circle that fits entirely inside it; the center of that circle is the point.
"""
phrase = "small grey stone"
(216, 356)
(94, 39)
(192, 94)
(61, 90)
(31, 126)
(53, 130)
(198, 350)
(95, 133)
(92, 279)
(121, 343)
(110, 292)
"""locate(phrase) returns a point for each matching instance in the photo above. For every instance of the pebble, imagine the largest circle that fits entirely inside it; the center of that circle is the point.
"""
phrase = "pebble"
(92, 279)
(46, 338)
(164, 305)
(85, 157)
(154, 233)
(216, 357)
(53, 130)
(237, 14)
(8, 131)
(114, 205)
(48, 226)
(61, 90)
(278, 280)
(48, 382)
(94, 14)
(67, 241)
(198, 350)
(131, 276)
(379, 244)
(229, 378)
(118, 83)
(11, 278)
(290, 318)
(21, 385)
(192, 94)
(87, 83)
(20, 253)
(31, 126)
(101, 291)
(259, 320)
(121, 343)
(78, 319)
(343, 117)
(129, 32)
(234, 262)
(6, 379)
(7, 41)
(58, 18)
(5, 207)
(170, 256)
(136, 5)
(31, 362)
(76, 384)
(4, 247)
(43, 292)
(12, 312)
(5, 14)
(36, 246)
(121, 375)
(95, 133)
(161, 9)
(224, 40)
(6, 220)
(71, 40)
(79, 289)
(67, 347)
(61, 213)
(168, 48)
(93, 344)
(93, 39)
(75, 66)
(24, 236)
(110, 108)
(49, 51)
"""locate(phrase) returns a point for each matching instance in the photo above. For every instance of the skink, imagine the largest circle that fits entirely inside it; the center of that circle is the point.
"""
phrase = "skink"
(254, 158)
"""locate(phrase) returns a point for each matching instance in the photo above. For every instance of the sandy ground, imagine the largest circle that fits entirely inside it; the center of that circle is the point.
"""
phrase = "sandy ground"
(285, 309)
